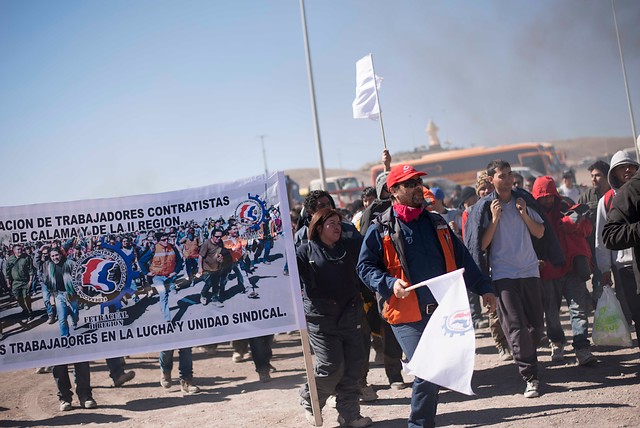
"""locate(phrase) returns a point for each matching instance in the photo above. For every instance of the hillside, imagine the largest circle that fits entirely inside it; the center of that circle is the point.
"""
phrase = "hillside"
(583, 150)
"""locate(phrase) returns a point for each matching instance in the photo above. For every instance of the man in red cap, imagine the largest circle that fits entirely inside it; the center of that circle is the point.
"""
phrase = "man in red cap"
(408, 245)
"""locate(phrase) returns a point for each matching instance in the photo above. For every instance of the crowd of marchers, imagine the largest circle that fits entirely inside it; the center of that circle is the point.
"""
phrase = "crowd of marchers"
(527, 247)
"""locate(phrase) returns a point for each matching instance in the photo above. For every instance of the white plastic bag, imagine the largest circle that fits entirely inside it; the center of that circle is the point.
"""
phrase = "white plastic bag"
(610, 328)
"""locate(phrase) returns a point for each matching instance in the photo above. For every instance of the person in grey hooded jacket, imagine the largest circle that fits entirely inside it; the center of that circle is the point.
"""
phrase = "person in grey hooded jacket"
(616, 266)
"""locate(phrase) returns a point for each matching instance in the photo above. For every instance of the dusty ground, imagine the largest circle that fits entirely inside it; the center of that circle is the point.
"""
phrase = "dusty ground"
(606, 395)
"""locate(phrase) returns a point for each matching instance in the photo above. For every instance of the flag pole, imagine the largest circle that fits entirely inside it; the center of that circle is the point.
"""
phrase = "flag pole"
(316, 126)
(375, 88)
(624, 76)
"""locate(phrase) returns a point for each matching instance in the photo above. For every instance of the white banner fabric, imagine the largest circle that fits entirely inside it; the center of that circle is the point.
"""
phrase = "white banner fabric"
(110, 306)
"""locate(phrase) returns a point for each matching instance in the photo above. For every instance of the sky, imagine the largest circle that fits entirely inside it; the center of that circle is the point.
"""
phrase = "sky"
(124, 97)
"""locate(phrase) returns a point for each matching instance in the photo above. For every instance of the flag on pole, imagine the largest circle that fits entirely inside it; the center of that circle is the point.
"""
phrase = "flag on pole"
(366, 103)
(445, 354)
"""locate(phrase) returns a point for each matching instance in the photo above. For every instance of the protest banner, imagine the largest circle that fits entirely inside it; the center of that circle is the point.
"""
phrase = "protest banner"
(110, 295)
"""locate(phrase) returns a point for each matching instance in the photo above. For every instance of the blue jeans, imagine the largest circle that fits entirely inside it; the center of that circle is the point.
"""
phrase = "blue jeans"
(163, 285)
(66, 307)
(215, 284)
(185, 362)
(424, 398)
(46, 299)
(574, 290)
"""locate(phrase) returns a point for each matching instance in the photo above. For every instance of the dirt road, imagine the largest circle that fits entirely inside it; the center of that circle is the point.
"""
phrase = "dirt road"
(605, 395)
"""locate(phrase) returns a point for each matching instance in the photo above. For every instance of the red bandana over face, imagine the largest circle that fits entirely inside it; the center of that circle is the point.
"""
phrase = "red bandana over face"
(406, 213)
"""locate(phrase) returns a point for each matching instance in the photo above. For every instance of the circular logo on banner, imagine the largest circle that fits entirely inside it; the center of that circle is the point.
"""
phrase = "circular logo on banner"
(100, 275)
(458, 322)
(250, 212)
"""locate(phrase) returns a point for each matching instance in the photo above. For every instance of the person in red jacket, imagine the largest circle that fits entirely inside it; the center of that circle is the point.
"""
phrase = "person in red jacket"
(571, 228)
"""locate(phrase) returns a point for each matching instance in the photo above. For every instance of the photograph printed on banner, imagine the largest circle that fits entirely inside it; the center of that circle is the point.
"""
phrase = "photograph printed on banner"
(86, 279)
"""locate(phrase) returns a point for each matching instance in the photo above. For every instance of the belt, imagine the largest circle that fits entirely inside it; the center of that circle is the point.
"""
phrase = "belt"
(430, 308)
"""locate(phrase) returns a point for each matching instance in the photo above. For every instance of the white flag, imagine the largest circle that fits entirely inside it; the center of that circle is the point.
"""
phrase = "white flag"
(366, 103)
(446, 352)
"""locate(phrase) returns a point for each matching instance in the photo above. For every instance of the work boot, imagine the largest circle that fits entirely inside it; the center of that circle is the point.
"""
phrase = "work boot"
(585, 357)
(188, 387)
(557, 352)
(124, 378)
(360, 421)
(165, 380)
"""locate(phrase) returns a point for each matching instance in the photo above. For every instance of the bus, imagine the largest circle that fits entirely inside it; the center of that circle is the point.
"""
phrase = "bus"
(462, 165)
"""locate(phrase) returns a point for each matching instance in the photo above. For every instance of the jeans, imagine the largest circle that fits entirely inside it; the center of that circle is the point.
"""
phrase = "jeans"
(116, 367)
(46, 300)
(82, 380)
(261, 352)
(424, 397)
(574, 290)
(66, 307)
(163, 285)
(185, 362)
(214, 283)
(235, 268)
(191, 267)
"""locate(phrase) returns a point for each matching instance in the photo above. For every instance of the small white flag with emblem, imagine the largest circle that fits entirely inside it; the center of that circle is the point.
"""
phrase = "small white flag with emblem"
(445, 354)
(366, 104)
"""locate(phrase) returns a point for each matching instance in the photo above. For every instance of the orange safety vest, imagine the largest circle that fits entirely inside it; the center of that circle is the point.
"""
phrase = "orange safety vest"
(235, 248)
(400, 311)
(191, 249)
(163, 262)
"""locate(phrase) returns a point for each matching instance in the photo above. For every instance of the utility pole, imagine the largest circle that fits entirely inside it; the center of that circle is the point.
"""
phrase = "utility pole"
(264, 154)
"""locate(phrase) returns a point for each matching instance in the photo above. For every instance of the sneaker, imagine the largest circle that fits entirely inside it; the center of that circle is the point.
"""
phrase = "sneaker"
(360, 421)
(218, 304)
(237, 357)
(204, 301)
(188, 387)
(585, 357)
(368, 394)
(89, 404)
(165, 380)
(285, 272)
(124, 378)
(41, 370)
(265, 376)
(65, 406)
(52, 319)
(557, 352)
(532, 389)
(504, 354)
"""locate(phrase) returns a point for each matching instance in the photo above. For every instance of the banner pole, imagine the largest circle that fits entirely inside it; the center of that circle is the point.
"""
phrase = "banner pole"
(375, 88)
(311, 378)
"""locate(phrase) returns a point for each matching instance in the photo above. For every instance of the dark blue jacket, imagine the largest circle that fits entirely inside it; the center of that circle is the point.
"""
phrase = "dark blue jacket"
(547, 247)
(373, 273)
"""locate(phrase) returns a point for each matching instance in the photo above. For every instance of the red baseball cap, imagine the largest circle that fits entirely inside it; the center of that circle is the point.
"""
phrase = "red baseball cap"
(400, 173)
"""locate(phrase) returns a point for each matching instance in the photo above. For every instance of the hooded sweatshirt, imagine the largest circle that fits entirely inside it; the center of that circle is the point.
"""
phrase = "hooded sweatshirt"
(571, 233)
(604, 256)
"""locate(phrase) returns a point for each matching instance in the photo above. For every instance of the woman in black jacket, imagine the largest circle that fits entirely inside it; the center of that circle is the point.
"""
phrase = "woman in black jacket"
(333, 309)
